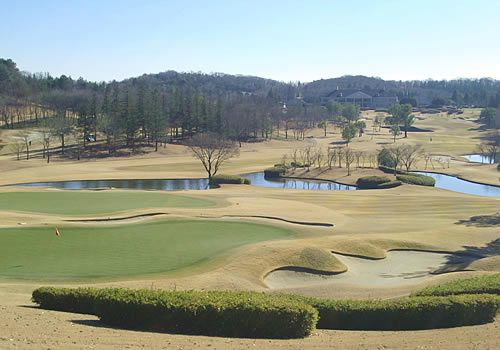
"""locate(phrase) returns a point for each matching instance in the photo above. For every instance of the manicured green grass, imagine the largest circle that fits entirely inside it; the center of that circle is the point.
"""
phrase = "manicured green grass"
(99, 202)
(117, 251)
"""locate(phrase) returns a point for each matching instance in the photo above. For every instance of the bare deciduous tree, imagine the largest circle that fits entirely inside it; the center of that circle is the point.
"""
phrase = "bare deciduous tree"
(340, 155)
(396, 153)
(372, 158)
(26, 137)
(428, 158)
(18, 148)
(318, 157)
(212, 150)
(349, 156)
(358, 155)
(410, 155)
(332, 157)
(306, 156)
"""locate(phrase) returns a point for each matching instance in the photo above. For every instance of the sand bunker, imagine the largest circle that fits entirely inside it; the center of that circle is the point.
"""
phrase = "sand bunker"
(398, 268)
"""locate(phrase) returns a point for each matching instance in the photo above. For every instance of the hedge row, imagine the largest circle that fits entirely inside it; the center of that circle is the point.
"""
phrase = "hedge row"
(274, 171)
(258, 315)
(417, 179)
(376, 182)
(411, 178)
(389, 170)
(229, 179)
(228, 314)
(486, 284)
(406, 313)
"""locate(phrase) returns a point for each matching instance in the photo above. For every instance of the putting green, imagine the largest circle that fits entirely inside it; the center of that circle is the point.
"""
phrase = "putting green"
(101, 202)
(117, 251)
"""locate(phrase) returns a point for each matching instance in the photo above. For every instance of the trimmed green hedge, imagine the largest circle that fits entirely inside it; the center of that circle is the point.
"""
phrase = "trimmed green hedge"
(77, 300)
(376, 182)
(259, 315)
(274, 171)
(486, 284)
(410, 178)
(216, 313)
(389, 184)
(389, 170)
(229, 179)
(417, 179)
(406, 313)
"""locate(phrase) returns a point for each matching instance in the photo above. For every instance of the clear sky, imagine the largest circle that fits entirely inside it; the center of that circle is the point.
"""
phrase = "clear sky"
(285, 40)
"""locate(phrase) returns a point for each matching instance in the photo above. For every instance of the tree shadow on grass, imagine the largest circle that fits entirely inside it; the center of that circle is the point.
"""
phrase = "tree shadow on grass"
(461, 259)
(338, 142)
(481, 221)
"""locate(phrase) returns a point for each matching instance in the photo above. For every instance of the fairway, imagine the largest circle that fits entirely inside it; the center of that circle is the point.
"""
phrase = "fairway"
(118, 251)
(101, 202)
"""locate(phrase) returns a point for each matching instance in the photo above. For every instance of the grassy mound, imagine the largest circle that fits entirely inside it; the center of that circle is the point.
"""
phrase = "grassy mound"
(316, 259)
(98, 202)
(376, 182)
(487, 284)
(229, 179)
(216, 313)
(122, 250)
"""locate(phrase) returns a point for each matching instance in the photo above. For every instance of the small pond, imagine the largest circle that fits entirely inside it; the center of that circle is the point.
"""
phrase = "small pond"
(189, 184)
(455, 184)
(258, 179)
(149, 184)
(478, 158)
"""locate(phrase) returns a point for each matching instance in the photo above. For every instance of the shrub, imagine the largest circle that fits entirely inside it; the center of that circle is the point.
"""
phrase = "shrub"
(78, 300)
(486, 284)
(406, 313)
(384, 158)
(229, 179)
(297, 165)
(376, 182)
(389, 184)
(230, 314)
(417, 179)
(274, 171)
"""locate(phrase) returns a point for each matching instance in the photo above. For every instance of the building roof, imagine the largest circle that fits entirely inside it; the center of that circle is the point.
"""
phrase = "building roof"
(359, 94)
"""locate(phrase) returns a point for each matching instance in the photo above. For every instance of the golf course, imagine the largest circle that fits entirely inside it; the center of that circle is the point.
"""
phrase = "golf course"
(317, 243)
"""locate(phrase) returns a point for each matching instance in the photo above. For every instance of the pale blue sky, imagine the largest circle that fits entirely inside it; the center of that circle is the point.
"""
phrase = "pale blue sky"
(285, 40)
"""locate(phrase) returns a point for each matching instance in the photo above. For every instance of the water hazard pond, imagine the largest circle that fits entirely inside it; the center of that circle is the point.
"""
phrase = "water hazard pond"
(190, 184)
(442, 181)
(455, 184)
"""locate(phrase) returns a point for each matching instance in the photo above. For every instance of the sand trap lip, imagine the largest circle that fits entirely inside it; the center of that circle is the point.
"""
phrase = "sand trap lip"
(400, 267)
(281, 219)
(117, 219)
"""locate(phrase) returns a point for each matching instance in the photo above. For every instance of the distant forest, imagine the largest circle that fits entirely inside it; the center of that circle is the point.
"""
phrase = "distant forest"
(159, 107)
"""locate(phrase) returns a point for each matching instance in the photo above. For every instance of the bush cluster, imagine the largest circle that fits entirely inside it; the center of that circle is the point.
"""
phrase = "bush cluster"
(216, 313)
(376, 182)
(406, 313)
(486, 284)
(229, 179)
(297, 165)
(417, 179)
(274, 171)
(410, 178)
